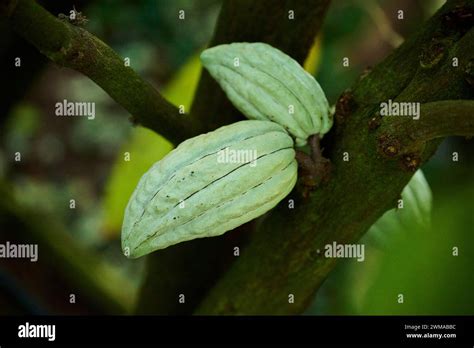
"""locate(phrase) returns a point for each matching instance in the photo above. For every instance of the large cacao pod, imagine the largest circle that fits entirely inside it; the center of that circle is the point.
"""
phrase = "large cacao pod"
(208, 185)
(266, 84)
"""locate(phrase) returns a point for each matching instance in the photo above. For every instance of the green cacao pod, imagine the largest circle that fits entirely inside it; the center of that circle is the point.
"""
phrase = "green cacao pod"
(208, 185)
(266, 84)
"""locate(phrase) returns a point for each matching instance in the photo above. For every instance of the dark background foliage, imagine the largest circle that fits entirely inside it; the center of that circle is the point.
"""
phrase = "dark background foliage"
(65, 159)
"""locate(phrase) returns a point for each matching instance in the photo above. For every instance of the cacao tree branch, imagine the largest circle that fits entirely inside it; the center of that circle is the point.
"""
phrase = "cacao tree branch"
(74, 47)
(286, 254)
(437, 119)
(191, 268)
(13, 43)
(443, 118)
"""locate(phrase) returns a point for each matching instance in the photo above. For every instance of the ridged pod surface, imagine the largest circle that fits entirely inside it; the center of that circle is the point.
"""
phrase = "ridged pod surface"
(208, 185)
(266, 84)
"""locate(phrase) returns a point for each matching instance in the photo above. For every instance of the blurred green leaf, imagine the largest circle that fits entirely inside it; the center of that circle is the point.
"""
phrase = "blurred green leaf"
(312, 61)
(399, 223)
(347, 288)
(22, 124)
(425, 267)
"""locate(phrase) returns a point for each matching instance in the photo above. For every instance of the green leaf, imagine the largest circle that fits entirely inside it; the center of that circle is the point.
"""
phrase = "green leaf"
(400, 222)
(347, 288)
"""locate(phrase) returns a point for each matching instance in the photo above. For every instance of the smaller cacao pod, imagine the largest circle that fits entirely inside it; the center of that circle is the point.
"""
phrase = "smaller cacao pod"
(266, 84)
(209, 185)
